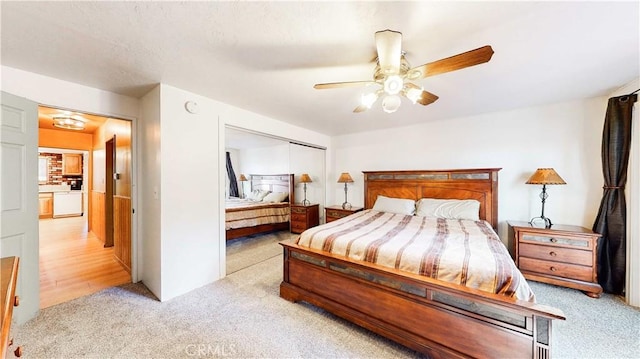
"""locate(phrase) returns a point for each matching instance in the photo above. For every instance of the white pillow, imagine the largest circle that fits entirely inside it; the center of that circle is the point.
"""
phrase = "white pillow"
(449, 208)
(395, 205)
(275, 197)
(257, 195)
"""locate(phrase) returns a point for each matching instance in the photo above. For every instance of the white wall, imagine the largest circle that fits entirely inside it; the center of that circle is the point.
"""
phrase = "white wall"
(190, 192)
(565, 136)
(191, 186)
(69, 95)
(264, 160)
(150, 209)
(304, 159)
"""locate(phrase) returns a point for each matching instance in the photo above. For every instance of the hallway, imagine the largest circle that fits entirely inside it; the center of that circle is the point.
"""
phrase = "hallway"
(73, 262)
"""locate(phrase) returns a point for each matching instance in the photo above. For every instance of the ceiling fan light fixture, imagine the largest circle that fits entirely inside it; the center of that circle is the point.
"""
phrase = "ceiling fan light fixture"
(68, 122)
(414, 94)
(368, 100)
(391, 103)
(393, 85)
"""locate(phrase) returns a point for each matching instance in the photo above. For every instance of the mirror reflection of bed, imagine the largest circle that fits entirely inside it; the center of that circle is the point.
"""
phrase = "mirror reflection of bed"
(257, 222)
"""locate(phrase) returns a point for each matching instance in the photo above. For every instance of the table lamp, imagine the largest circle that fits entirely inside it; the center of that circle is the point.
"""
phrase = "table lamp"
(544, 176)
(345, 178)
(243, 179)
(304, 178)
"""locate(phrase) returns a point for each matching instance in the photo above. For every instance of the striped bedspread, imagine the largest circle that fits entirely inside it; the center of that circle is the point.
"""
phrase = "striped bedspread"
(242, 213)
(463, 252)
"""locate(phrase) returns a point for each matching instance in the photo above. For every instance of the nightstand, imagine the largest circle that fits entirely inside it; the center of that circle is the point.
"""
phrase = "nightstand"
(561, 255)
(336, 212)
(303, 217)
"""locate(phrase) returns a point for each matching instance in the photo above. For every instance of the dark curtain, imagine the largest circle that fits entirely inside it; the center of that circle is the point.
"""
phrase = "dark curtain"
(611, 221)
(233, 183)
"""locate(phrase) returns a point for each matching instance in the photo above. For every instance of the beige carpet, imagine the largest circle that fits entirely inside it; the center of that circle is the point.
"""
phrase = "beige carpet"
(246, 251)
(242, 316)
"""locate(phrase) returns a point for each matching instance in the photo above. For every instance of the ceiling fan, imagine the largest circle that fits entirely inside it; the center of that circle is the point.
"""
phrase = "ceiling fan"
(394, 75)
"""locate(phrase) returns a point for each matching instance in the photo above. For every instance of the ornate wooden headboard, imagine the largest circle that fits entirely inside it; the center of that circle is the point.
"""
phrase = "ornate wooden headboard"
(274, 183)
(478, 184)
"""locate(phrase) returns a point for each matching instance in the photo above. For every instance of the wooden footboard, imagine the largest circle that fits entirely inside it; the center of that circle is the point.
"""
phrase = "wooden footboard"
(259, 229)
(436, 318)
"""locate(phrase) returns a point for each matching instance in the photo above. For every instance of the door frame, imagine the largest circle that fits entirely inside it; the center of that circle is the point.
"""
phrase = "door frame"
(136, 250)
(109, 189)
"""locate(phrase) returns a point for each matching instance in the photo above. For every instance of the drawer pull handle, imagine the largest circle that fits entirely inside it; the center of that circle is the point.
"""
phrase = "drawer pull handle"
(553, 254)
(16, 301)
(553, 269)
(18, 352)
(553, 240)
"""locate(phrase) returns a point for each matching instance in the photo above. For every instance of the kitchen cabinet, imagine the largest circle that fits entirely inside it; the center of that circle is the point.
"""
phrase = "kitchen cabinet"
(72, 164)
(45, 204)
(66, 204)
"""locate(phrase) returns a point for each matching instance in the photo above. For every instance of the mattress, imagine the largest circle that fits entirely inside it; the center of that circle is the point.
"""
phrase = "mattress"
(463, 252)
(242, 213)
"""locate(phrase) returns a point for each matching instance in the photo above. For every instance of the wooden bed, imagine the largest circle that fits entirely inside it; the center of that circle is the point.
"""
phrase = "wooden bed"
(272, 183)
(434, 317)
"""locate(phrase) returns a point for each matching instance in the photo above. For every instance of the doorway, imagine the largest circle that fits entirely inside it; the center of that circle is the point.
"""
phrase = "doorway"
(77, 251)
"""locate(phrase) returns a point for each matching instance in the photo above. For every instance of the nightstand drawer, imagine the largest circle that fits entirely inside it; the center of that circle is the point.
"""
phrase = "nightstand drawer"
(556, 269)
(558, 241)
(298, 210)
(298, 227)
(557, 254)
(337, 214)
(334, 213)
(303, 217)
(298, 217)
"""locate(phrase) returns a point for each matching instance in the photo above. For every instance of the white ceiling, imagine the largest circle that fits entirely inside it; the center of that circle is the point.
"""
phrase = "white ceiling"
(266, 56)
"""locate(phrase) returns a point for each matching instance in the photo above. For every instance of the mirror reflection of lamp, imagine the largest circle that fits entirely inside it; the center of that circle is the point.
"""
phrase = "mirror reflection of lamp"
(243, 179)
(304, 179)
(345, 178)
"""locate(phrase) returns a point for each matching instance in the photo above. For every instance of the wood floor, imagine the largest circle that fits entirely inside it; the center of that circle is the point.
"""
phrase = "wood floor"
(73, 262)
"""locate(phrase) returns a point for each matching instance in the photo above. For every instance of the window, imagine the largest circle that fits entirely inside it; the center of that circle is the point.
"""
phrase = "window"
(43, 170)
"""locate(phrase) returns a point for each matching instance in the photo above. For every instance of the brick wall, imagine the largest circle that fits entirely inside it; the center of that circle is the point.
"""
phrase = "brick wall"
(55, 170)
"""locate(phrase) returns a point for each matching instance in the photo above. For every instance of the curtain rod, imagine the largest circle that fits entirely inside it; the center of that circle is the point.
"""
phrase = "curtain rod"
(633, 92)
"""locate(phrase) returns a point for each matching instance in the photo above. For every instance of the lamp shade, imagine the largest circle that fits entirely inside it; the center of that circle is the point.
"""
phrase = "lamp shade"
(243, 178)
(304, 178)
(345, 178)
(545, 176)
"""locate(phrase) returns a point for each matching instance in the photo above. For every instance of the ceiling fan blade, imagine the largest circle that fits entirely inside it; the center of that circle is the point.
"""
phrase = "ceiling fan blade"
(389, 46)
(360, 108)
(333, 85)
(427, 98)
(424, 98)
(453, 63)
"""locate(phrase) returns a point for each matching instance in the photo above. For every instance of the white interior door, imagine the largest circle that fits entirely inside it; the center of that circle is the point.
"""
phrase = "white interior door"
(19, 197)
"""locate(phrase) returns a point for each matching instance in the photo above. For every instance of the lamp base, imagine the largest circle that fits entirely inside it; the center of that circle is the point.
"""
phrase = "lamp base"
(346, 205)
(306, 202)
(538, 221)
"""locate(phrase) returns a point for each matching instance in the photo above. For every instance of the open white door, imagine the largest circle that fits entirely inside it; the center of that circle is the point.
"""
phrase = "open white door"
(19, 197)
